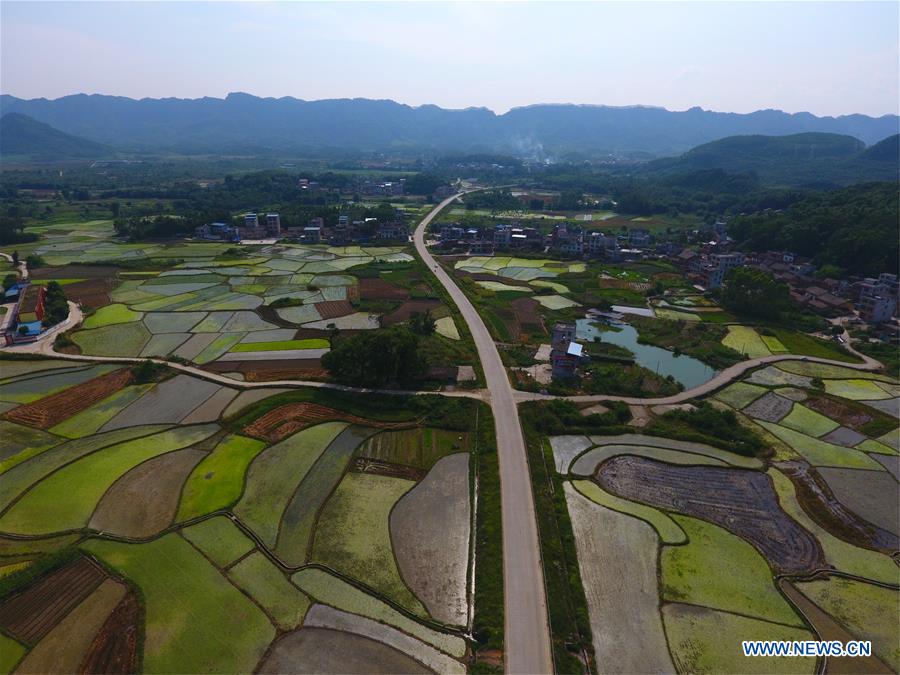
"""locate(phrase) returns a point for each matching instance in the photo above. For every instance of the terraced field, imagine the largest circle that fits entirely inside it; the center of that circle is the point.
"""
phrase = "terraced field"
(162, 542)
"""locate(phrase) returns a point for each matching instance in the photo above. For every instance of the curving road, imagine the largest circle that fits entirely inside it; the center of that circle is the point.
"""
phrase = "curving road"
(527, 648)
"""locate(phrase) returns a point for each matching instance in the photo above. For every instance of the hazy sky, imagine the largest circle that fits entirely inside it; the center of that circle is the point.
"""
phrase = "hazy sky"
(828, 58)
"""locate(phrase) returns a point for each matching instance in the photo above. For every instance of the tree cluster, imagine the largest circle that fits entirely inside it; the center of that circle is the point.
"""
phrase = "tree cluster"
(56, 306)
(754, 292)
(375, 358)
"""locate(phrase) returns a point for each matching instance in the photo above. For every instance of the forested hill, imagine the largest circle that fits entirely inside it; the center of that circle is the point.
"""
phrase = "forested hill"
(853, 229)
(22, 136)
(242, 122)
(808, 159)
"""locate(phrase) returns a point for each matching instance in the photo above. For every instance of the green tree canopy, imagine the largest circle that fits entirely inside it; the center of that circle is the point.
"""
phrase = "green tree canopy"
(375, 358)
(755, 292)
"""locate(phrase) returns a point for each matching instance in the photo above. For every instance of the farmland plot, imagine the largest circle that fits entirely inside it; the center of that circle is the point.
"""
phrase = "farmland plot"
(722, 496)
(668, 530)
(620, 585)
(430, 532)
(698, 635)
(298, 519)
(221, 630)
(353, 534)
(870, 494)
(864, 610)
(718, 570)
(143, 501)
(219, 539)
(274, 475)
(266, 584)
(332, 652)
(63, 648)
(842, 555)
(90, 420)
(65, 499)
(218, 480)
(169, 401)
(323, 616)
(567, 448)
(821, 453)
(332, 591)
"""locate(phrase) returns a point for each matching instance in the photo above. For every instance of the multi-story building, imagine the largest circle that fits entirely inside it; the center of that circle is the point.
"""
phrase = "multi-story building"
(273, 224)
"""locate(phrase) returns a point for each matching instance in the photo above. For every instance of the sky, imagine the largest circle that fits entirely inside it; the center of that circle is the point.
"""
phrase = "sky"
(828, 58)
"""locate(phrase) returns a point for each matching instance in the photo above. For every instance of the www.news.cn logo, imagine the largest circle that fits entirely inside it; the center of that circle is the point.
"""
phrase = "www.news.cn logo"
(832, 648)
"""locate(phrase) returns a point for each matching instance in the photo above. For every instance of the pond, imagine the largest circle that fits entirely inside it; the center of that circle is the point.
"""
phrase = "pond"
(685, 369)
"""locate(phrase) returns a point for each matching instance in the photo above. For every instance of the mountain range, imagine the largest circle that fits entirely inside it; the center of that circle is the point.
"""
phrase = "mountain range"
(242, 123)
(811, 159)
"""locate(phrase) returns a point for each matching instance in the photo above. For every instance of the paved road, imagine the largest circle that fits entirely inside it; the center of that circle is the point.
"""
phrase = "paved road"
(527, 648)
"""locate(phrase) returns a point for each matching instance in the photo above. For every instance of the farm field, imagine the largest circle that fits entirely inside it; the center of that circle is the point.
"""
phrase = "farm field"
(136, 529)
(723, 527)
(216, 305)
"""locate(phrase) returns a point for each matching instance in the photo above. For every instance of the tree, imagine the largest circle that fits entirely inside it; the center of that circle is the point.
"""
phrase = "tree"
(15, 258)
(375, 358)
(9, 281)
(754, 292)
(34, 260)
(56, 307)
(422, 324)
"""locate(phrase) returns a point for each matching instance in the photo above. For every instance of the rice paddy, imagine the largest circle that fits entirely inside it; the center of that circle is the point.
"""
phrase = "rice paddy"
(180, 505)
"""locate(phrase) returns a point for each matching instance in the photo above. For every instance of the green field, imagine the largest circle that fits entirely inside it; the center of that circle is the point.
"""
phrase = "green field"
(707, 641)
(219, 539)
(718, 570)
(739, 394)
(218, 480)
(353, 534)
(808, 421)
(110, 315)
(122, 339)
(312, 343)
(747, 341)
(196, 621)
(821, 453)
(65, 500)
(274, 475)
(864, 609)
(270, 588)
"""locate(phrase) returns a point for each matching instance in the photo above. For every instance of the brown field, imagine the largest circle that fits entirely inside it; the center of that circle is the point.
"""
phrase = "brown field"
(269, 371)
(32, 613)
(332, 309)
(143, 501)
(404, 311)
(114, 649)
(92, 292)
(825, 509)
(325, 651)
(63, 648)
(743, 502)
(366, 465)
(290, 418)
(528, 316)
(848, 415)
(73, 272)
(379, 289)
(51, 410)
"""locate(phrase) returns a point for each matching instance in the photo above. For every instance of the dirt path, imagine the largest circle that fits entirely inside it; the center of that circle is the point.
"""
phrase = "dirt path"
(720, 380)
